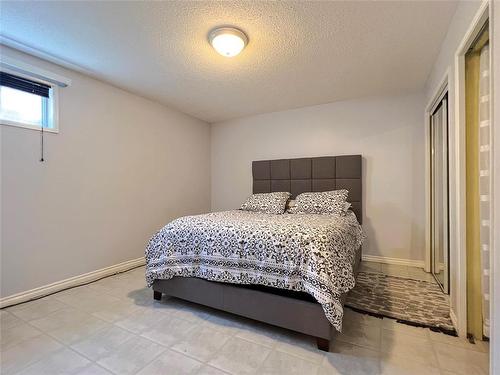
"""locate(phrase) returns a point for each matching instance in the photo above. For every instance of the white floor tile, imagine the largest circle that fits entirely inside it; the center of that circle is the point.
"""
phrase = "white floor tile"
(142, 320)
(193, 313)
(171, 362)
(115, 326)
(278, 363)
(395, 365)
(115, 312)
(169, 331)
(300, 345)
(131, 356)
(353, 318)
(461, 361)
(201, 343)
(14, 335)
(64, 362)
(227, 323)
(263, 334)
(26, 353)
(168, 304)
(8, 320)
(140, 296)
(346, 358)
(398, 344)
(59, 318)
(478, 346)
(86, 299)
(362, 334)
(239, 356)
(209, 370)
(103, 342)
(93, 369)
(71, 333)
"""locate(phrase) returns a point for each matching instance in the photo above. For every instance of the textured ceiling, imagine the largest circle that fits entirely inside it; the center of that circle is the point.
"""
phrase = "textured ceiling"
(300, 53)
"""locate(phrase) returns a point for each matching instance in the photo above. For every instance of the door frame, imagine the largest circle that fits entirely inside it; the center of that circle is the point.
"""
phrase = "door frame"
(441, 102)
(439, 94)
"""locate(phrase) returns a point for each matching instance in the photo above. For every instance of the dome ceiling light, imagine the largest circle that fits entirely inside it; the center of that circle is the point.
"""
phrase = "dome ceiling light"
(228, 41)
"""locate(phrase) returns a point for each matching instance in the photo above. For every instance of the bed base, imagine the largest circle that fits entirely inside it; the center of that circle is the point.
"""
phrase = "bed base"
(157, 295)
(296, 311)
(291, 313)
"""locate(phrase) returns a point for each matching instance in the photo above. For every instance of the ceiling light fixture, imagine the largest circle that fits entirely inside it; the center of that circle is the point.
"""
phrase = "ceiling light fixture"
(228, 41)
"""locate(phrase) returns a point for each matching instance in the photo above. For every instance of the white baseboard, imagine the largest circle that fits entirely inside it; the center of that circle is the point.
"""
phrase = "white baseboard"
(397, 261)
(71, 282)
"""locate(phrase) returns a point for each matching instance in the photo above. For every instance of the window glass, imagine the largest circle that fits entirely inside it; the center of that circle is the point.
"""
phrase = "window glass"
(23, 107)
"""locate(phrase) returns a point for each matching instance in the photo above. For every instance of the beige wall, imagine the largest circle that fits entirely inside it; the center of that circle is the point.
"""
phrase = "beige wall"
(120, 168)
(387, 131)
(446, 63)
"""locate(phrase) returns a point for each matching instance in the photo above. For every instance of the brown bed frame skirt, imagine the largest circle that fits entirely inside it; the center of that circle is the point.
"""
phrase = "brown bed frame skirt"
(297, 311)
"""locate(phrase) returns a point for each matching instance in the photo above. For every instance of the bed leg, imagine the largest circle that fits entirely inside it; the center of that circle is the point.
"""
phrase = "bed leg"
(157, 295)
(323, 344)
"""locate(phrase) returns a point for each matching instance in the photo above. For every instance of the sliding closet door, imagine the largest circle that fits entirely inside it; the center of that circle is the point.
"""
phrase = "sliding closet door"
(439, 194)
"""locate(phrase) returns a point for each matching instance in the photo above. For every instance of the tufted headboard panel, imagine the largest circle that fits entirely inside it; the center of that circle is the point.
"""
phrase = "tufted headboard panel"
(312, 174)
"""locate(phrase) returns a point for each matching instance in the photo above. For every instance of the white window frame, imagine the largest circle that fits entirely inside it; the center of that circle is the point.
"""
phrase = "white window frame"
(53, 106)
(33, 73)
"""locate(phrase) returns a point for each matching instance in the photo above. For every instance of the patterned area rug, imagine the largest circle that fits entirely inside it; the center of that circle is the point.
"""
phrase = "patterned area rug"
(414, 302)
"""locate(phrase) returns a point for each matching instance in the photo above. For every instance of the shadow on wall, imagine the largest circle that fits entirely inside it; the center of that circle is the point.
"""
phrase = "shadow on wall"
(387, 238)
(417, 244)
(370, 245)
(390, 231)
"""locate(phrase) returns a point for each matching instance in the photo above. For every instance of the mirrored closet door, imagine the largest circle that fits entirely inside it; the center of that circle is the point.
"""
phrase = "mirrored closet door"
(439, 194)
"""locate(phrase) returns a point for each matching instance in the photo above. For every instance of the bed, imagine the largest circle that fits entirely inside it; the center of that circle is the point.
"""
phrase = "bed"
(288, 270)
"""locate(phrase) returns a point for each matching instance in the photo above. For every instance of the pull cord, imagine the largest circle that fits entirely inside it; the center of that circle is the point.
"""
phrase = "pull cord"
(41, 144)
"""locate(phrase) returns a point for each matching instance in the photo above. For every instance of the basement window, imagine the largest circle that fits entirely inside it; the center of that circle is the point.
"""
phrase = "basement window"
(27, 102)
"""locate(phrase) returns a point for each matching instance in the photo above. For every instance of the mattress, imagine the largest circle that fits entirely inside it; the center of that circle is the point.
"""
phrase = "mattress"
(308, 253)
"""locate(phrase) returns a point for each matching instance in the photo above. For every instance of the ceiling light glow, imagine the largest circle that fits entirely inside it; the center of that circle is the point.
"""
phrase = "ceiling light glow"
(228, 41)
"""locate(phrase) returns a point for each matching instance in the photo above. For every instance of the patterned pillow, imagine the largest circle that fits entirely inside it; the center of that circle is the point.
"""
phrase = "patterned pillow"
(328, 202)
(269, 203)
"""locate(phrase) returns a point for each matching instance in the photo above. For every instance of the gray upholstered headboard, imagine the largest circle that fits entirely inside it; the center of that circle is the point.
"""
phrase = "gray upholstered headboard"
(311, 174)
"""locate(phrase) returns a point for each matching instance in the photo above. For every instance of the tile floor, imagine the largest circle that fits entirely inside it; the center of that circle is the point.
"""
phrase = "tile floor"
(114, 326)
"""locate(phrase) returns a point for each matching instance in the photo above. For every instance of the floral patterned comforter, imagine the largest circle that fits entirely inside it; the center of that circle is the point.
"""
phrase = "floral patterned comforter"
(302, 252)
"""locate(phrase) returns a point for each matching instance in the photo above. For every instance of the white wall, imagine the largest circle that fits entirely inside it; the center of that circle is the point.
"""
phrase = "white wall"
(387, 131)
(446, 63)
(456, 31)
(120, 168)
